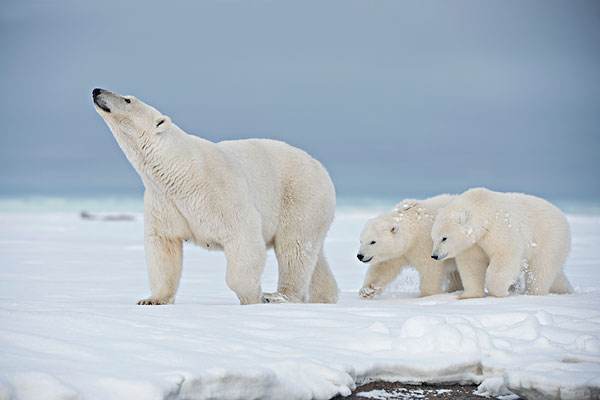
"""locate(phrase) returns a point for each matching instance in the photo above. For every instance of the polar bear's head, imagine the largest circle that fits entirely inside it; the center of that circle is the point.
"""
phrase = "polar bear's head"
(136, 125)
(457, 226)
(389, 235)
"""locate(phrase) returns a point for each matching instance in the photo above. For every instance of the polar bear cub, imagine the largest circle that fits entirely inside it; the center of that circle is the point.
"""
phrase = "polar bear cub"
(517, 232)
(239, 196)
(402, 238)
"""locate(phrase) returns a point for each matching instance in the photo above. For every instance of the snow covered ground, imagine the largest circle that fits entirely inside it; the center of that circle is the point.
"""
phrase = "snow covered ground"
(70, 329)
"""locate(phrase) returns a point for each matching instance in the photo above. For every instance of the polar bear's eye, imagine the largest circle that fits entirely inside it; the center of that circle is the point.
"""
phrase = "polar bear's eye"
(372, 242)
(127, 101)
(444, 239)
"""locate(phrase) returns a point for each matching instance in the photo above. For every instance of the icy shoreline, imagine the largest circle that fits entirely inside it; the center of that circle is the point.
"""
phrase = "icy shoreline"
(70, 328)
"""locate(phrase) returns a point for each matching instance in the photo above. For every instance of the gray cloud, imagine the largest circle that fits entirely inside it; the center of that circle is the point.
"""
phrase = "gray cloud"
(395, 98)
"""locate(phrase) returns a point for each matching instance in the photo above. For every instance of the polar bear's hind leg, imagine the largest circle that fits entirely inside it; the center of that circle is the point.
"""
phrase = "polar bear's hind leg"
(297, 262)
(323, 287)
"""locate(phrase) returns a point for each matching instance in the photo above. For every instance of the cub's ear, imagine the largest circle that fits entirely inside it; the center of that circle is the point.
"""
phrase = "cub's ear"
(162, 123)
(464, 216)
(394, 228)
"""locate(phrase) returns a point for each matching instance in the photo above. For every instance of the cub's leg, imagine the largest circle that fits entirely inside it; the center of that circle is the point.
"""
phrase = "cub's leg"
(379, 276)
(471, 265)
(432, 278)
(503, 271)
(561, 284)
(454, 282)
(546, 266)
(545, 274)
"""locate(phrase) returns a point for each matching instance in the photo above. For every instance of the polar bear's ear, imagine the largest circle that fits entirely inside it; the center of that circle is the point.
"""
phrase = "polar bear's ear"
(464, 216)
(162, 123)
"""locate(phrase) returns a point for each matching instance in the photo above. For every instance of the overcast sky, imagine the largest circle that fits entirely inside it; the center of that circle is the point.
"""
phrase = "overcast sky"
(394, 97)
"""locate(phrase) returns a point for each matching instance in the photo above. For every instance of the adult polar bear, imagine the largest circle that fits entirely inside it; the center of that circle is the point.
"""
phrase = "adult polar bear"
(515, 231)
(240, 196)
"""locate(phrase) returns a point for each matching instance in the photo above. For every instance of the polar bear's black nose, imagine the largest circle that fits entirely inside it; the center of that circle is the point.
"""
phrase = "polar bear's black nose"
(434, 257)
(97, 92)
(100, 101)
(360, 256)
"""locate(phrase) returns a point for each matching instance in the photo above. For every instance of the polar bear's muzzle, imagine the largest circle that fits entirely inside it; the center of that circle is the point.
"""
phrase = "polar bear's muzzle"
(100, 100)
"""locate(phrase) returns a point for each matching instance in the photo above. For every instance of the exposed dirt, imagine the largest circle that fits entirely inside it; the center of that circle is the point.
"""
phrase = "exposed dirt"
(403, 391)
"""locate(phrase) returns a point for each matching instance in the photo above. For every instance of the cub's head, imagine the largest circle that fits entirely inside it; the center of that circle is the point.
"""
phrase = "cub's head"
(389, 235)
(134, 124)
(454, 230)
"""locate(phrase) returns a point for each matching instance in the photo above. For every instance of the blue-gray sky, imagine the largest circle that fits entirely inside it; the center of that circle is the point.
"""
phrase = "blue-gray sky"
(394, 97)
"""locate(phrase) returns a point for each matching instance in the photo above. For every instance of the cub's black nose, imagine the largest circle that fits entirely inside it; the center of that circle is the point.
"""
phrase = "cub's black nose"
(434, 257)
(360, 257)
(96, 92)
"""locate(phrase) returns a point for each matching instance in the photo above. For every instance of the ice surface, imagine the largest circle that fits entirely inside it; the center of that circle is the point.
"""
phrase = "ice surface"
(70, 329)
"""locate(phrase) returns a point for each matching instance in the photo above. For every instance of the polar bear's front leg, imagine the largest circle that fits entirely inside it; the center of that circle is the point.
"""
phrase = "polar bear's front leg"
(245, 263)
(163, 256)
(379, 276)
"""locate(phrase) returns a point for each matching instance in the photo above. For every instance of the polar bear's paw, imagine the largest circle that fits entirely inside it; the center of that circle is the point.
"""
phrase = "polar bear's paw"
(153, 302)
(275, 297)
(368, 292)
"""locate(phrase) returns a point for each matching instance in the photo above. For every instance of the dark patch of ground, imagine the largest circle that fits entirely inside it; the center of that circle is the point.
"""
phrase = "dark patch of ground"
(403, 391)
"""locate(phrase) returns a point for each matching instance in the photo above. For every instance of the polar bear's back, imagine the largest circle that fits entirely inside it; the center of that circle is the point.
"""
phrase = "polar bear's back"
(546, 220)
(437, 202)
(539, 218)
(281, 175)
(535, 210)
(277, 162)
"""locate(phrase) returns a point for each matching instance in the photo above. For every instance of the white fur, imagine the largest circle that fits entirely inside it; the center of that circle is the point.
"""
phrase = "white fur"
(403, 238)
(517, 232)
(241, 197)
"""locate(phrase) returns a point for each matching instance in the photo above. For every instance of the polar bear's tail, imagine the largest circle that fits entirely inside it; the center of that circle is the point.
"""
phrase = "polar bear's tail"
(323, 287)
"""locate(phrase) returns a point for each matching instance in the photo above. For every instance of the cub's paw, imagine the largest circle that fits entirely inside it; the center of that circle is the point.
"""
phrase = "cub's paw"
(153, 302)
(497, 290)
(275, 297)
(368, 292)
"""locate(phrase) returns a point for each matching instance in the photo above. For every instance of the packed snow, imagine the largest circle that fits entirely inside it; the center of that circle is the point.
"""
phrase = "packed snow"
(70, 328)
